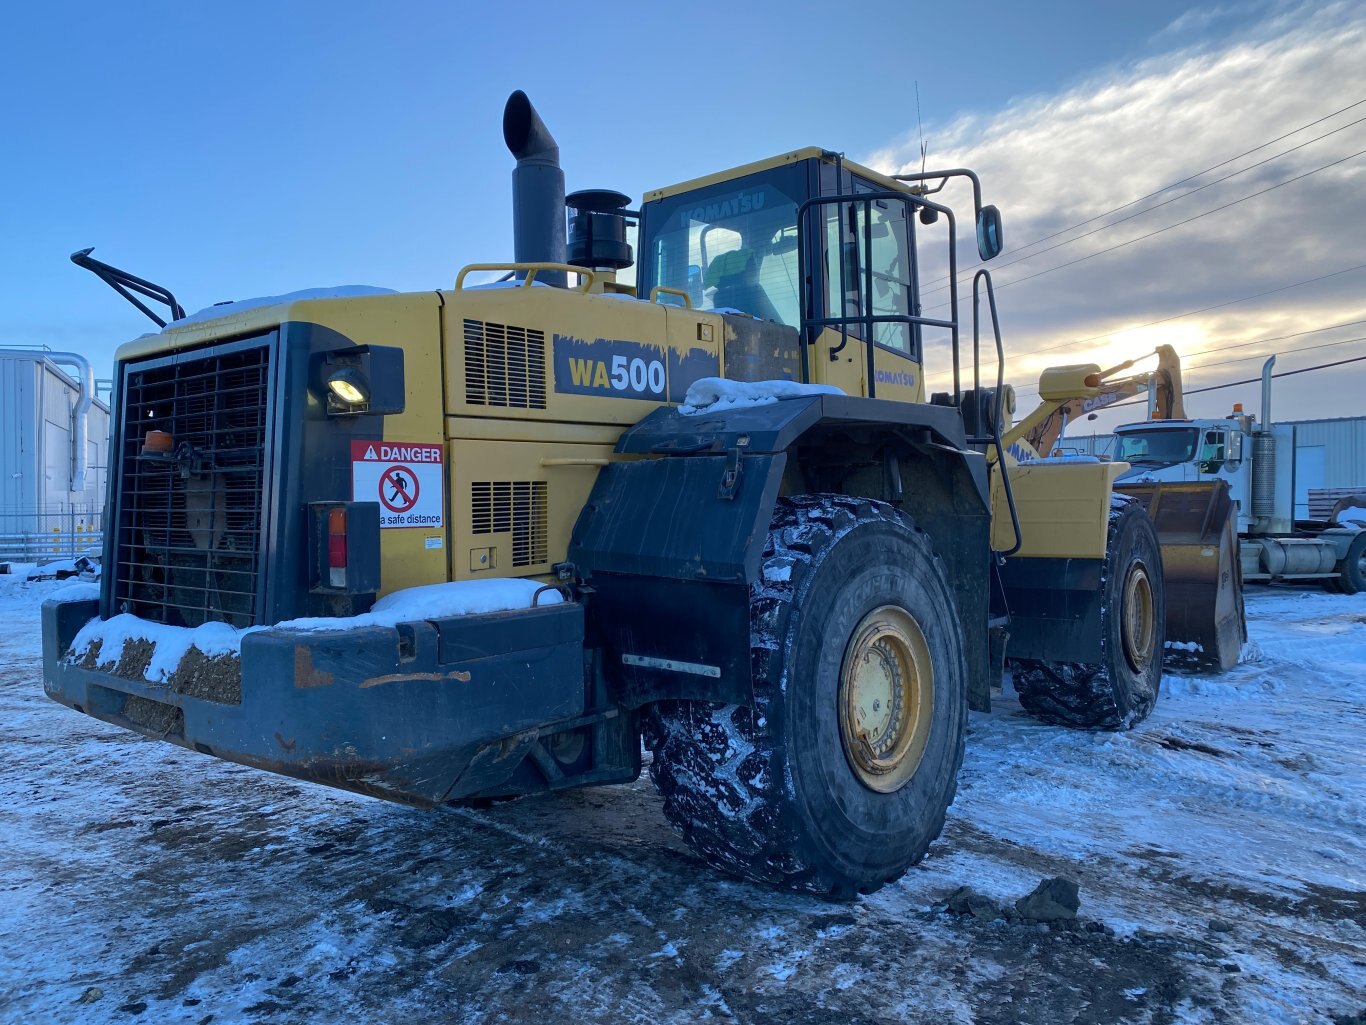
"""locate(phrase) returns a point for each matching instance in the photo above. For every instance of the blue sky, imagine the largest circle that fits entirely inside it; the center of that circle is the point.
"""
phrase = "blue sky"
(237, 150)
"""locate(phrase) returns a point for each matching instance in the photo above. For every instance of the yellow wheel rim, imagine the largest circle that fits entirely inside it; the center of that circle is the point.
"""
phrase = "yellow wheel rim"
(886, 698)
(1138, 625)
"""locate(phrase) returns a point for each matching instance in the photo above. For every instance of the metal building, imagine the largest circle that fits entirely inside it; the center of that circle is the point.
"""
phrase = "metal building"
(1328, 454)
(54, 444)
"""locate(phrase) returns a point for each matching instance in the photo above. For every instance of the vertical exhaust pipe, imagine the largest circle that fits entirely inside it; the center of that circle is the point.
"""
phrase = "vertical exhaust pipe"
(1264, 456)
(1266, 393)
(537, 188)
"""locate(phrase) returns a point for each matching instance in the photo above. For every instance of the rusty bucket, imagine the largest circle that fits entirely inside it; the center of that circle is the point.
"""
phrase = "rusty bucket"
(1197, 528)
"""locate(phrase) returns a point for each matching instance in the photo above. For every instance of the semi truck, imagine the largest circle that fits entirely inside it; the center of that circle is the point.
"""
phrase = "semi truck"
(1255, 458)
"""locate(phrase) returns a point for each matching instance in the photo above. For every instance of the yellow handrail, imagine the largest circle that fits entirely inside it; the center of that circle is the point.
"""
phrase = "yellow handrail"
(532, 269)
(687, 299)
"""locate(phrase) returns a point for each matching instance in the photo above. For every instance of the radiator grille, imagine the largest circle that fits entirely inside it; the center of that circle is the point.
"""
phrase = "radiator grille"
(190, 522)
(504, 365)
(518, 507)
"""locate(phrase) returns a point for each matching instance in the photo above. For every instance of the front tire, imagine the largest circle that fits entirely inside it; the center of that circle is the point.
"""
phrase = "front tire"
(839, 777)
(1119, 691)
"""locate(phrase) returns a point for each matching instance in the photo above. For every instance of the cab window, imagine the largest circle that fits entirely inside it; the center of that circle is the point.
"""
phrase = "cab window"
(1212, 452)
(890, 262)
(732, 246)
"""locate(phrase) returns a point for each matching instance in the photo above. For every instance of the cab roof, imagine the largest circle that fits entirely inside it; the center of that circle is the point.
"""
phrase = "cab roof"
(795, 156)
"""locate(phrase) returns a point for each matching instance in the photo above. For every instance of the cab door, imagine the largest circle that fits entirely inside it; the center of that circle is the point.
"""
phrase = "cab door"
(867, 260)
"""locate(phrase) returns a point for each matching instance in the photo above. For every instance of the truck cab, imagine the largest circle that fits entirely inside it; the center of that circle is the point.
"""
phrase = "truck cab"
(1191, 450)
(1257, 461)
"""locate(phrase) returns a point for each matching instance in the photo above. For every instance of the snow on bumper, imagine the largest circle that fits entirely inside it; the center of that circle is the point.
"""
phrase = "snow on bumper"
(420, 712)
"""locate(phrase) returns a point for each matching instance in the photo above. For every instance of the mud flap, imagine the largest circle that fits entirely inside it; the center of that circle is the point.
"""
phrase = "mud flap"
(1196, 526)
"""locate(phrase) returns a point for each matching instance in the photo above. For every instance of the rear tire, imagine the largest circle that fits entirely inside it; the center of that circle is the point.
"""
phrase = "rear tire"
(838, 779)
(1352, 579)
(1119, 691)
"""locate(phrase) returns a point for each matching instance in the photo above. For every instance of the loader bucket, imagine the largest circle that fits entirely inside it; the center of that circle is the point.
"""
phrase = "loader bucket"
(1197, 527)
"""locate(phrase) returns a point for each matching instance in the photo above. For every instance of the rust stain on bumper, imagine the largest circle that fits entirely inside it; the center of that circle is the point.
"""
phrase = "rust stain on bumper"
(305, 673)
(459, 675)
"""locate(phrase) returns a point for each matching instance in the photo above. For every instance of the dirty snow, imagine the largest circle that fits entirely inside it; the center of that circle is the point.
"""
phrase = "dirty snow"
(716, 394)
(438, 601)
(1219, 849)
(170, 644)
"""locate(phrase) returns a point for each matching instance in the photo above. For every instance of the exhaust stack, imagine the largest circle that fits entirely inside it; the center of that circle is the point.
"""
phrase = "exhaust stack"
(537, 189)
(1264, 454)
(1266, 393)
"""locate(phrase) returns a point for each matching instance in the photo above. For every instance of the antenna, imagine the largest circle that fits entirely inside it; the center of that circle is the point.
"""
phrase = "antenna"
(919, 127)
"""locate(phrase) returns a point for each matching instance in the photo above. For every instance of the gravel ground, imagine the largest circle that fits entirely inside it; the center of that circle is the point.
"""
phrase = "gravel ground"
(1219, 850)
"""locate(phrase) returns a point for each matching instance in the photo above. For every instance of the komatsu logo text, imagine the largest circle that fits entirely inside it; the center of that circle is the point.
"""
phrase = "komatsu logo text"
(743, 203)
(897, 377)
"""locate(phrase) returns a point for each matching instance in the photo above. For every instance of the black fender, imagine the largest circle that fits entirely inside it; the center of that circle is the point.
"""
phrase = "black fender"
(669, 544)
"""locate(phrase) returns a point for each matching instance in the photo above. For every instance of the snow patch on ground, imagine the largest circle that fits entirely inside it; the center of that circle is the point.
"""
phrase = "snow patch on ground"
(716, 394)
(1220, 843)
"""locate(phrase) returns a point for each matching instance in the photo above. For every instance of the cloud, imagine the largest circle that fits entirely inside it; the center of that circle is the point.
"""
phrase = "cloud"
(1052, 161)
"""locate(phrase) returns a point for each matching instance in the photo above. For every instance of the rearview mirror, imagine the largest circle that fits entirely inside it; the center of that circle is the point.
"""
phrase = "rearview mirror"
(989, 238)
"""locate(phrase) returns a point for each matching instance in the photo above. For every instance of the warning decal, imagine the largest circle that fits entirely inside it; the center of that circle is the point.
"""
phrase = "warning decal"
(407, 480)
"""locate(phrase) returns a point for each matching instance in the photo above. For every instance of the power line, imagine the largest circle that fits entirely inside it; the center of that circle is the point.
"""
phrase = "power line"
(1279, 338)
(1192, 177)
(1169, 227)
(1155, 206)
(1259, 341)
(1250, 380)
(1263, 355)
(1180, 316)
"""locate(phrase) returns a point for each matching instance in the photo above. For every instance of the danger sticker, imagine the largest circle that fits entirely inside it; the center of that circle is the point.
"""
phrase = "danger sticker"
(407, 480)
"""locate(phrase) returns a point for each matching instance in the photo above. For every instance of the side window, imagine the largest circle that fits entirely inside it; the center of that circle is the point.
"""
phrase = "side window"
(890, 260)
(1212, 452)
(891, 276)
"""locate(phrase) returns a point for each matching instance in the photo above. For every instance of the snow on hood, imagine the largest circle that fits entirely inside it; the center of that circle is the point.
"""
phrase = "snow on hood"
(171, 643)
(242, 305)
(716, 394)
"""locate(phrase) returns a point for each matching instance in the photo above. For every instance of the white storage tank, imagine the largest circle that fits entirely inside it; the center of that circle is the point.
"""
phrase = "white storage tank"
(51, 494)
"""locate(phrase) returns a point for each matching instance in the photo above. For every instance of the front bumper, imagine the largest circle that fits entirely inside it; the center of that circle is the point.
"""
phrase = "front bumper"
(422, 713)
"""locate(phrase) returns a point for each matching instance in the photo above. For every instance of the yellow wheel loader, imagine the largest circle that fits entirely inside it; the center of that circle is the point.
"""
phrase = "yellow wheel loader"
(478, 542)
(1196, 520)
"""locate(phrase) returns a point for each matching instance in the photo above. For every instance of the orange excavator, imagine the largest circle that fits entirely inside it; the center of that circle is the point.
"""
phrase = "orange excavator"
(1196, 521)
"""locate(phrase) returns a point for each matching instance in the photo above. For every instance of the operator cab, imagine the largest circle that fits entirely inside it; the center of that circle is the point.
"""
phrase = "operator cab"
(743, 241)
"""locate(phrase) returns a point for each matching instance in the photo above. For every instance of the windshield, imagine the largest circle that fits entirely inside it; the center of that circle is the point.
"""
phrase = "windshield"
(731, 246)
(1165, 446)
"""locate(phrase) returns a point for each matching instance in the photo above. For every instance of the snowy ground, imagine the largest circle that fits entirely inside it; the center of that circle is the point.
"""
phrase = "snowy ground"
(1220, 850)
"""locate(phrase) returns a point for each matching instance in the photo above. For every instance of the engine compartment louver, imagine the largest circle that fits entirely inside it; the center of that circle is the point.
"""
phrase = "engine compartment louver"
(518, 507)
(504, 365)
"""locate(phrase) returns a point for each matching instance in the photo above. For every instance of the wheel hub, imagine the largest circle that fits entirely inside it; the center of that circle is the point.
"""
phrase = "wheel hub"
(886, 697)
(1138, 624)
